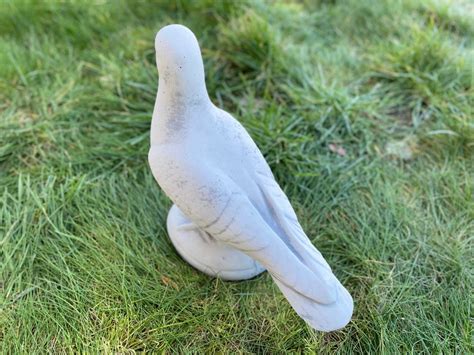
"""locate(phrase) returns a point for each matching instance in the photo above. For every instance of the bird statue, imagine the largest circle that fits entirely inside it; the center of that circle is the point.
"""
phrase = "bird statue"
(230, 218)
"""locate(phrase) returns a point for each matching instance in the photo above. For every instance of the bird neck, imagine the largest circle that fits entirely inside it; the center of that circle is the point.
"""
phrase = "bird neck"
(177, 101)
(182, 89)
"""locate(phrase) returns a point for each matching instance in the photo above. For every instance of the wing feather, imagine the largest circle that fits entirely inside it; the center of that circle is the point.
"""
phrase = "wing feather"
(286, 218)
(320, 315)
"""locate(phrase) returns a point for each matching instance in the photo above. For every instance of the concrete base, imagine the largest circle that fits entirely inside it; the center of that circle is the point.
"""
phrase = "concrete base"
(207, 254)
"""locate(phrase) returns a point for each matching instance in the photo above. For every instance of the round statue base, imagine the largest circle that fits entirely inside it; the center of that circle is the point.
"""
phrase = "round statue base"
(207, 254)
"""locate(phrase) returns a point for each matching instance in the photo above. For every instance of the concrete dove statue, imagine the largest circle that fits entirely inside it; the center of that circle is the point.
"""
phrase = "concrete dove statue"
(230, 217)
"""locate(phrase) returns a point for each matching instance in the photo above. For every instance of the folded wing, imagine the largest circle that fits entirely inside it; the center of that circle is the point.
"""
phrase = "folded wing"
(322, 316)
(296, 266)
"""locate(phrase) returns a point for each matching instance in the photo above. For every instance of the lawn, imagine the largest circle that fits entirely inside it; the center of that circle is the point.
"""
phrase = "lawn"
(363, 110)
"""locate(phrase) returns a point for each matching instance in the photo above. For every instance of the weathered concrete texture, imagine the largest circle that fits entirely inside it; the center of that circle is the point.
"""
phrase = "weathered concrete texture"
(229, 210)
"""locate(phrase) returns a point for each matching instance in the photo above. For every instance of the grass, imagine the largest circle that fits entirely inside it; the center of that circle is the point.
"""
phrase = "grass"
(324, 87)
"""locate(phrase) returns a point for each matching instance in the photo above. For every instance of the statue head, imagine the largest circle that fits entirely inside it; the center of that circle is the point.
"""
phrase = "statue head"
(179, 62)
